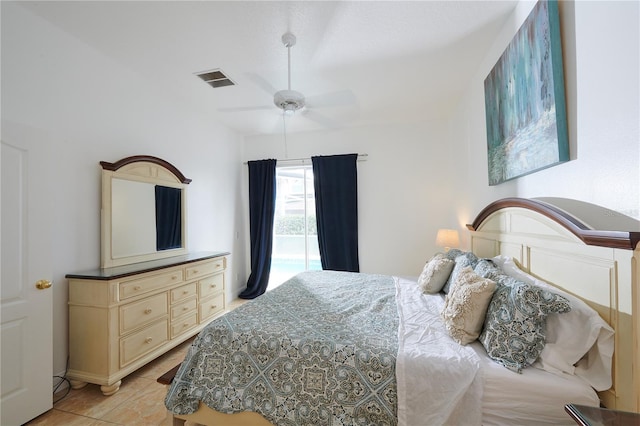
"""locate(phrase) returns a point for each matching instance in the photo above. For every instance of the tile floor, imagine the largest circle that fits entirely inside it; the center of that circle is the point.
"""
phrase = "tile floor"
(140, 400)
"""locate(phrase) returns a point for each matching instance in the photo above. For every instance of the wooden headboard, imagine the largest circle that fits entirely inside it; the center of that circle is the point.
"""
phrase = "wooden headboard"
(600, 267)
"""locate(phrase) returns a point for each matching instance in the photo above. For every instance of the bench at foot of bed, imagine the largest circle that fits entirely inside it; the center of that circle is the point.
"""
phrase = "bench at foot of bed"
(207, 416)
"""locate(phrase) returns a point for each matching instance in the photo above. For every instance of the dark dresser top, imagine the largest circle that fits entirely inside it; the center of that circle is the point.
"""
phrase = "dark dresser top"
(152, 265)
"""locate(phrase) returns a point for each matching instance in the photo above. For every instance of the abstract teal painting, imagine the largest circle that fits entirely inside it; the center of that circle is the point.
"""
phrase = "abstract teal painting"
(525, 101)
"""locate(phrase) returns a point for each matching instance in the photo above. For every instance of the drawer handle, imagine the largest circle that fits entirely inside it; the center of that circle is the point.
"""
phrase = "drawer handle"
(148, 340)
(186, 308)
(136, 288)
(214, 306)
(147, 311)
(195, 271)
(218, 265)
(186, 324)
(185, 292)
(173, 277)
(213, 286)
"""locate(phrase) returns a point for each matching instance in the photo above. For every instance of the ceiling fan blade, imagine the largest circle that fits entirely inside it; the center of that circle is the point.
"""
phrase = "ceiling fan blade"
(251, 108)
(339, 98)
(262, 83)
(323, 120)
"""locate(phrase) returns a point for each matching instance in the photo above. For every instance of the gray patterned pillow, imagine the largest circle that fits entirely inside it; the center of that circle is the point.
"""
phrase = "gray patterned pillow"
(453, 253)
(487, 269)
(515, 326)
(435, 274)
(462, 261)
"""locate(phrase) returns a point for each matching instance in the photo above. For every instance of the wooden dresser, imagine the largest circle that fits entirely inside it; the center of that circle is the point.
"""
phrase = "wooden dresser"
(123, 317)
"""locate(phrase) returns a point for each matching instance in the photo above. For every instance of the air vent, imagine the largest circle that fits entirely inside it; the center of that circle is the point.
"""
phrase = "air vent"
(215, 78)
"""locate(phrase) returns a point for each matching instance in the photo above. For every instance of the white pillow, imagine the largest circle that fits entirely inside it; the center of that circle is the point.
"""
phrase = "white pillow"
(466, 306)
(435, 274)
(579, 342)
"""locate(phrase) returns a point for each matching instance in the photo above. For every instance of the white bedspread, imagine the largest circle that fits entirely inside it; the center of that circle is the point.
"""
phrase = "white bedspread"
(439, 381)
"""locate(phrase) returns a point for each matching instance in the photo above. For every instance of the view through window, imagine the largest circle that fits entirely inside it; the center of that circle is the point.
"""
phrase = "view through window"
(295, 239)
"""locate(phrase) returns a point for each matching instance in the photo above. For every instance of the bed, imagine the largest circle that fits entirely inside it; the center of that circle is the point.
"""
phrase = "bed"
(342, 348)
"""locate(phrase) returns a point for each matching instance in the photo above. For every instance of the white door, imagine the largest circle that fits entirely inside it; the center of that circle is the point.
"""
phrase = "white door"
(26, 310)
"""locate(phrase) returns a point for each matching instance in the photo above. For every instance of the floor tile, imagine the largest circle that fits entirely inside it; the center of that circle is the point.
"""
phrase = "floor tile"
(56, 418)
(89, 401)
(145, 407)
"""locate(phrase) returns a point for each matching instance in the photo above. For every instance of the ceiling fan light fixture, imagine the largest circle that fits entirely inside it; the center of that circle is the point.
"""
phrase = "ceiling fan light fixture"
(289, 100)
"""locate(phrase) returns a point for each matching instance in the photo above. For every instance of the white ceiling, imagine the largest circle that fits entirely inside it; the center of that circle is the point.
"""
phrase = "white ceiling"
(375, 61)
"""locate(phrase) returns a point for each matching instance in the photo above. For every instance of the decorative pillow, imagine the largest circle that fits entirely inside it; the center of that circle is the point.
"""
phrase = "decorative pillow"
(579, 342)
(435, 274)
(463, 260)
(453, 253)
(466, 306)
(515, 325)
(486, 268)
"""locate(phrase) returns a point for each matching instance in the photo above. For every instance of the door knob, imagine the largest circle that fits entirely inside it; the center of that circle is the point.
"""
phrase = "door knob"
(43, 284)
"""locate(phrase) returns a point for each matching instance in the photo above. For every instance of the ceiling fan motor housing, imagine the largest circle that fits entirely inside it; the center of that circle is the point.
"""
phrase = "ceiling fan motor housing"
(288, 40)
(289, 100)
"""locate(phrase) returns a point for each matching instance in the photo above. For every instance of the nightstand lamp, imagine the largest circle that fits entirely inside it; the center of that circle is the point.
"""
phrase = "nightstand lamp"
(447, 238)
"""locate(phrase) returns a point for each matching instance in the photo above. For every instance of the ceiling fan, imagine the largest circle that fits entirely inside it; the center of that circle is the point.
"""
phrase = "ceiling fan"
(290, 101)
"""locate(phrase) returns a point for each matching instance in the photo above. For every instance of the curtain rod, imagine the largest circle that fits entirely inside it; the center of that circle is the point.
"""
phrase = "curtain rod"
(361, 157)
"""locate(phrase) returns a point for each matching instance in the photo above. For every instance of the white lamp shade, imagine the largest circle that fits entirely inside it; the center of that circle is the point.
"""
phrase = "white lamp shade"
(447, 238)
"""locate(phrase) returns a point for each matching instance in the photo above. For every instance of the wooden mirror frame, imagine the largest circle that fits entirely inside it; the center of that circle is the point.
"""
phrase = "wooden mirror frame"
(138, 168)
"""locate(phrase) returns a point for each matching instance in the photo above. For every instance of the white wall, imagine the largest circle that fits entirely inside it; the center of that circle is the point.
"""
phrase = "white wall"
(60, 95)
(402, 187)
(600, 41)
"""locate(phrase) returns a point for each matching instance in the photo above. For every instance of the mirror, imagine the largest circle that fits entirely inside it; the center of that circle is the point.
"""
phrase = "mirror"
(143, 211)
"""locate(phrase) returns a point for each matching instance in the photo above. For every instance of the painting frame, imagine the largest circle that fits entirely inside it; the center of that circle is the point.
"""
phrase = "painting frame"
(525, 102)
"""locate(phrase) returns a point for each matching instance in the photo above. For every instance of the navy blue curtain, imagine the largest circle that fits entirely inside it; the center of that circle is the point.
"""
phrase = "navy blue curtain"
(336, 190)
(168, 218)
(262, 207)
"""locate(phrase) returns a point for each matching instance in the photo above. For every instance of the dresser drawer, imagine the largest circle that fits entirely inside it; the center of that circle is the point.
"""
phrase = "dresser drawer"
(211, 306)
(205, 268)
(183, 308)
(211, 285)
(183, 292)
(142, 312)
(139, 286)
(142, 342)
(183, 324)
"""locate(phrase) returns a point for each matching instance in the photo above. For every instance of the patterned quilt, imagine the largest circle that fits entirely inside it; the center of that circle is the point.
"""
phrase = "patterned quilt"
(318, 350)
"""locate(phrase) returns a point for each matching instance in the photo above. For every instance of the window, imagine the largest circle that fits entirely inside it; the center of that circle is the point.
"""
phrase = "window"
(295, 239)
